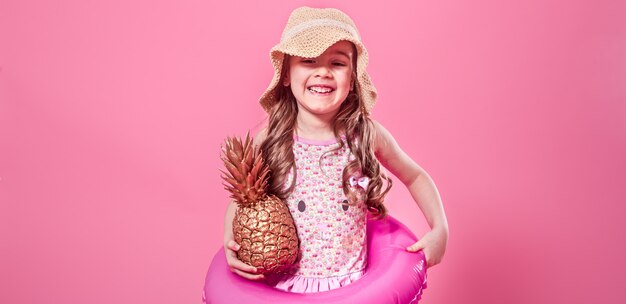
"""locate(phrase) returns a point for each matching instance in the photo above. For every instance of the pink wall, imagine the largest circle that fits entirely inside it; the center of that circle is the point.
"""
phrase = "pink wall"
(112, 114)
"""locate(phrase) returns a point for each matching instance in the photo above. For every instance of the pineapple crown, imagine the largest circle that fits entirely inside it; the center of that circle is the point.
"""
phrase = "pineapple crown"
(247, 174)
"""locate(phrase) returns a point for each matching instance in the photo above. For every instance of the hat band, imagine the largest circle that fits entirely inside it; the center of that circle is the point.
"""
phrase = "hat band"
(318, 22)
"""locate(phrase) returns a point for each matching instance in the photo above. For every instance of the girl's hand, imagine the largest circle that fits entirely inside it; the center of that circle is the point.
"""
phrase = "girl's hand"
(236, 265)
(433, 243)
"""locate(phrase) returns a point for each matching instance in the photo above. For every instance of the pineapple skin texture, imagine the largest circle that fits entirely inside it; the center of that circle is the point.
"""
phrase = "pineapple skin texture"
(267, 235)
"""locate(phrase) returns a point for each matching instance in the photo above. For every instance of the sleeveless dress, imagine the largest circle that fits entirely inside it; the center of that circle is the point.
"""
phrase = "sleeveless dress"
(332, 233)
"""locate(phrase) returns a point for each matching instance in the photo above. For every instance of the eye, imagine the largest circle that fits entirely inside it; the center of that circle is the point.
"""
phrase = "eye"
(344, 205)
(301, 206)
(308, 60)
(339, 64)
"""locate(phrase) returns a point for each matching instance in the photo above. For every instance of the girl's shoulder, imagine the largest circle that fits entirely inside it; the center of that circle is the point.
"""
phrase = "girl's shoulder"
(380, 136)
(384, 144)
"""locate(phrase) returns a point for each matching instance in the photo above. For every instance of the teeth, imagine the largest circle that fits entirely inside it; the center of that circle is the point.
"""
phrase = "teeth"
(320, 90)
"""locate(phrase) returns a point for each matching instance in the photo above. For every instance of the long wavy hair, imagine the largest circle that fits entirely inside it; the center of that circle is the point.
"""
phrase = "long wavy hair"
(350, 121)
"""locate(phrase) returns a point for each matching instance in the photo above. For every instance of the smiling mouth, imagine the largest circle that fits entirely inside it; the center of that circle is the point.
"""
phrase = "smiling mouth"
(320, 90)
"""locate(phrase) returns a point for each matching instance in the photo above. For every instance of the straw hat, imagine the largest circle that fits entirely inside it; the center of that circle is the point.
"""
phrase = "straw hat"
(308, 33)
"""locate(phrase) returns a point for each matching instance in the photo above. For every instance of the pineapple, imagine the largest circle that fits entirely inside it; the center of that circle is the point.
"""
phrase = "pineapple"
(262, 225)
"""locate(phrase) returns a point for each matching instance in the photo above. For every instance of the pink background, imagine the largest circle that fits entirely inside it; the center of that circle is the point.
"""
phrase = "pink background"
(112, 114)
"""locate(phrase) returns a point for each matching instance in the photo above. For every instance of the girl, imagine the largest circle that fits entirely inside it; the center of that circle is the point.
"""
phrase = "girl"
(325, 152)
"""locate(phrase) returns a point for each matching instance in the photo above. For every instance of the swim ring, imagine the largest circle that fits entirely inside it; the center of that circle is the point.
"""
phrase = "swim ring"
(393, 275)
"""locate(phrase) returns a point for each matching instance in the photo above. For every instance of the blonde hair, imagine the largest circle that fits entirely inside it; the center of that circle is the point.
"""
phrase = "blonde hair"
(359, 131)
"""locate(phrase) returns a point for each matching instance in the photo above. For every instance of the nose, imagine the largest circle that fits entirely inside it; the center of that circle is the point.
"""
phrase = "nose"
(322, 71)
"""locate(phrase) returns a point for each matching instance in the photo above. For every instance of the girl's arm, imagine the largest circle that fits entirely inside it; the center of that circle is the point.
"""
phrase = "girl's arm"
(422, 189)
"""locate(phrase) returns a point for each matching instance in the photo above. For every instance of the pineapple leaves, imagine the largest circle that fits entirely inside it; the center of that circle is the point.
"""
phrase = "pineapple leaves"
(246, 175)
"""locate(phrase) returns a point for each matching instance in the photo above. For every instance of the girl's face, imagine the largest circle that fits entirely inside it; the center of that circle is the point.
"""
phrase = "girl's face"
(321, 84)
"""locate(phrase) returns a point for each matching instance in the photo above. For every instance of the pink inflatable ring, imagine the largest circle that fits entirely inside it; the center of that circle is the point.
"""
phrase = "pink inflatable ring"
(393, 275)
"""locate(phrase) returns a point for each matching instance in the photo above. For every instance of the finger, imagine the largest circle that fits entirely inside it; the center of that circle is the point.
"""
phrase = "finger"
(230, 253)
(249, 276)
(235, 263)
(415, 247)
(232, 245)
